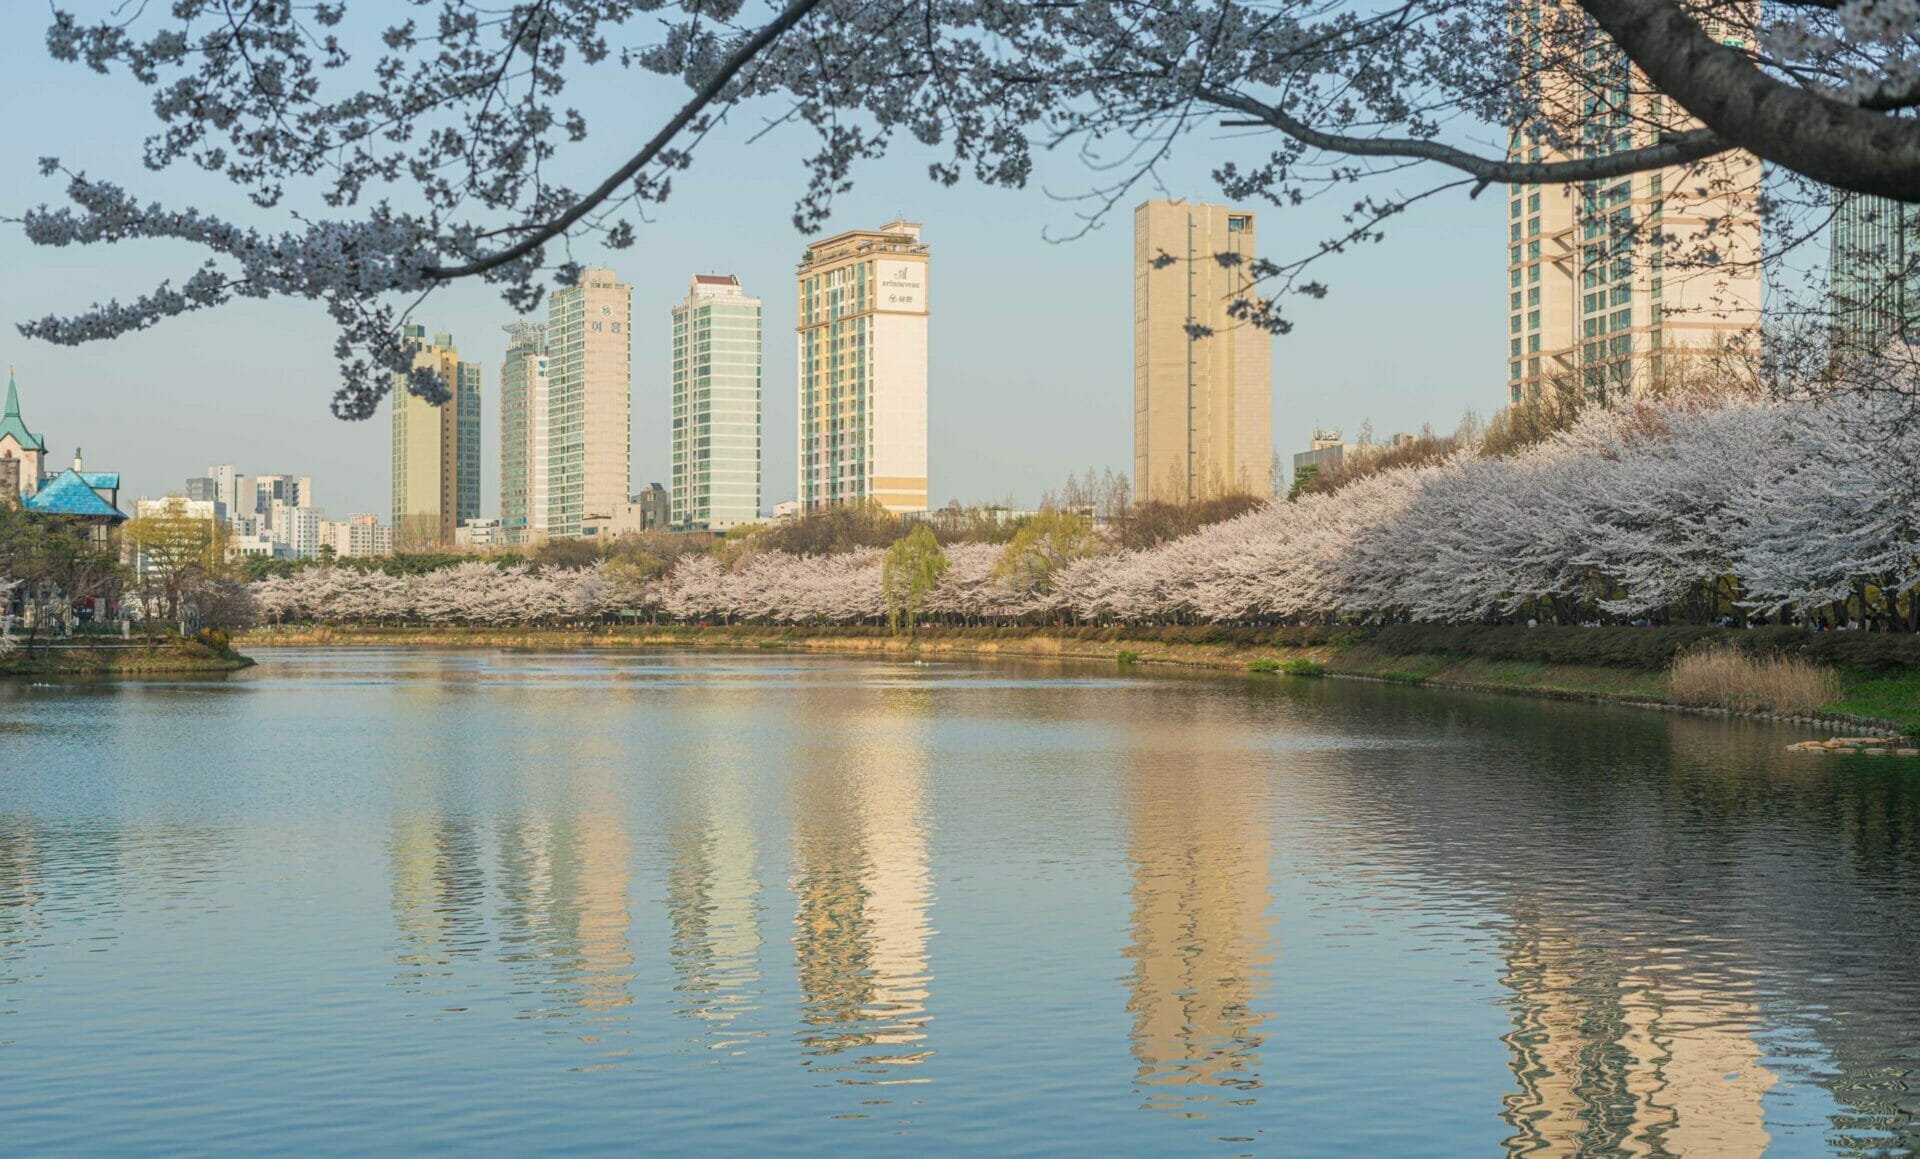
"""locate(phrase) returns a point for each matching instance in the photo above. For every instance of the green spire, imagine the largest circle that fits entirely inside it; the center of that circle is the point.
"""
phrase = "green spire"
(12, 424)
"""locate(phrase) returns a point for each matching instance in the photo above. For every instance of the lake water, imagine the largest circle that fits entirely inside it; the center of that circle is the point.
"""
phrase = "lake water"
(369, 901)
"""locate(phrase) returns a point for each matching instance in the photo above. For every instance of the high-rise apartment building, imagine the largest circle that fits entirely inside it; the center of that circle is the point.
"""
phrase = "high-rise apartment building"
(589, 399)
(524, 447)
(227, 487)
(436, 449)
(1873, 256)
(1608, 291)
(1202, 379)
(716, 406)
(863, 369)
(289, 490)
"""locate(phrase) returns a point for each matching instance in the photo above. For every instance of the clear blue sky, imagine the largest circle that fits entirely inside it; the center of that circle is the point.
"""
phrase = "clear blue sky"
(1031, 341)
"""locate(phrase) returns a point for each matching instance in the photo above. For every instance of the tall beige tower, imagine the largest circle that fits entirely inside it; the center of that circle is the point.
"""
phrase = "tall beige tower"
(436, 449)
(1202, 380)
(863, 369)
(1615, 286)
(589, 400)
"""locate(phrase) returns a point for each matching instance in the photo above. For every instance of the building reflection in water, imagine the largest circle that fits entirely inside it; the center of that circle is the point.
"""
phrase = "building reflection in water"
(565, 921)
(713, 897)
(862, 887)
(20, 895)
(561, 883)
(438, 890)
(1201, 946)
(1613, 1058)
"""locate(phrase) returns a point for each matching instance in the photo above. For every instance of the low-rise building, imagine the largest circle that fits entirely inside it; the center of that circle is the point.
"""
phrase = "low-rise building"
(257, 544)
(358, 536)
(650, 510)
(1323, 456)
(656, 508)
(478, 533)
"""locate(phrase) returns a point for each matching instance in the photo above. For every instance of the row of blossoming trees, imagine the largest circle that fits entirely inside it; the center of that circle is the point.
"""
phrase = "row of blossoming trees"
(1678, 511)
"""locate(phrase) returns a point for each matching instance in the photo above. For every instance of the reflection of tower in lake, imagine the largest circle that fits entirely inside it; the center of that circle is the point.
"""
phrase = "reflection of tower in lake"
(713, 903)
(862, 885)
(565, 916)
(437, 890)
(1614, 1057)
(20, 893)
(1200, 946)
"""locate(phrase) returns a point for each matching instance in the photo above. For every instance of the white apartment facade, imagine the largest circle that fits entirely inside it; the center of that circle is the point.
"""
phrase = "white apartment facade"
(590, 399)
(862, 337)
(716, 406)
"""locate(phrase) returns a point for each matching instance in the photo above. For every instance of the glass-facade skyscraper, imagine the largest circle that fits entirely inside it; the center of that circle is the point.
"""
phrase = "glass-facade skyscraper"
(524, 452)
(436, 449)
(1874, 273)
(716, 406)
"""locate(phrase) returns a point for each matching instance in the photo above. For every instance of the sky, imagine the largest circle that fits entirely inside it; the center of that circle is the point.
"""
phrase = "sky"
(1030, 374)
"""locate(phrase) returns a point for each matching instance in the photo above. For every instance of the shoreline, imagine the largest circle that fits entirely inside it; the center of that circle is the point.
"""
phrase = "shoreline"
(1350, 659)
(131, 662)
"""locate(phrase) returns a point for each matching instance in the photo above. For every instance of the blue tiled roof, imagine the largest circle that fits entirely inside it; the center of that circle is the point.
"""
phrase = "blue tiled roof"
(102, 480)
(69, 494)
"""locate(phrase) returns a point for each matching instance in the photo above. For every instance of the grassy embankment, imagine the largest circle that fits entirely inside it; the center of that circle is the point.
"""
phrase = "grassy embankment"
(168, 657)
(1872, 676)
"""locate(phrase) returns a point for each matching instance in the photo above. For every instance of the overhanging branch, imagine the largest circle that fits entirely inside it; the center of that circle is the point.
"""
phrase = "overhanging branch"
(707, 94)
(1843, 145)
(1677, 149)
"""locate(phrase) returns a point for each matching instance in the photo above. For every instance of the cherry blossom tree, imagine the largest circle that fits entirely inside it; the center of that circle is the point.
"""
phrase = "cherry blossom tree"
(387, 150)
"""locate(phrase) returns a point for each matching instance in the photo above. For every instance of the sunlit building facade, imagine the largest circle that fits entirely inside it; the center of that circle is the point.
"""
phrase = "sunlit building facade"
(524, 446)
(1607, 289)
(716, 406)
(1202, 379)
(863, 369)
(436, 449)
(589, 399)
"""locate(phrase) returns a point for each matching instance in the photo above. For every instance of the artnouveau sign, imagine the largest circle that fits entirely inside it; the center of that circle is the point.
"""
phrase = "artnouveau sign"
(902, 285)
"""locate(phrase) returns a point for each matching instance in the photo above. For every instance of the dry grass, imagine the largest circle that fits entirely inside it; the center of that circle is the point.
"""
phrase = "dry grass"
(1717, 676)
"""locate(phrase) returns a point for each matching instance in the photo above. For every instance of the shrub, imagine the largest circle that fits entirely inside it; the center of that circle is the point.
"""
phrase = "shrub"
(1719, 676)
(1126, 657)
(1263, 666)
(1300, 666)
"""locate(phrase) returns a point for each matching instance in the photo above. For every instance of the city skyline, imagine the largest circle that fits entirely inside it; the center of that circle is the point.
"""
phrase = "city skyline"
(1032, 328)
